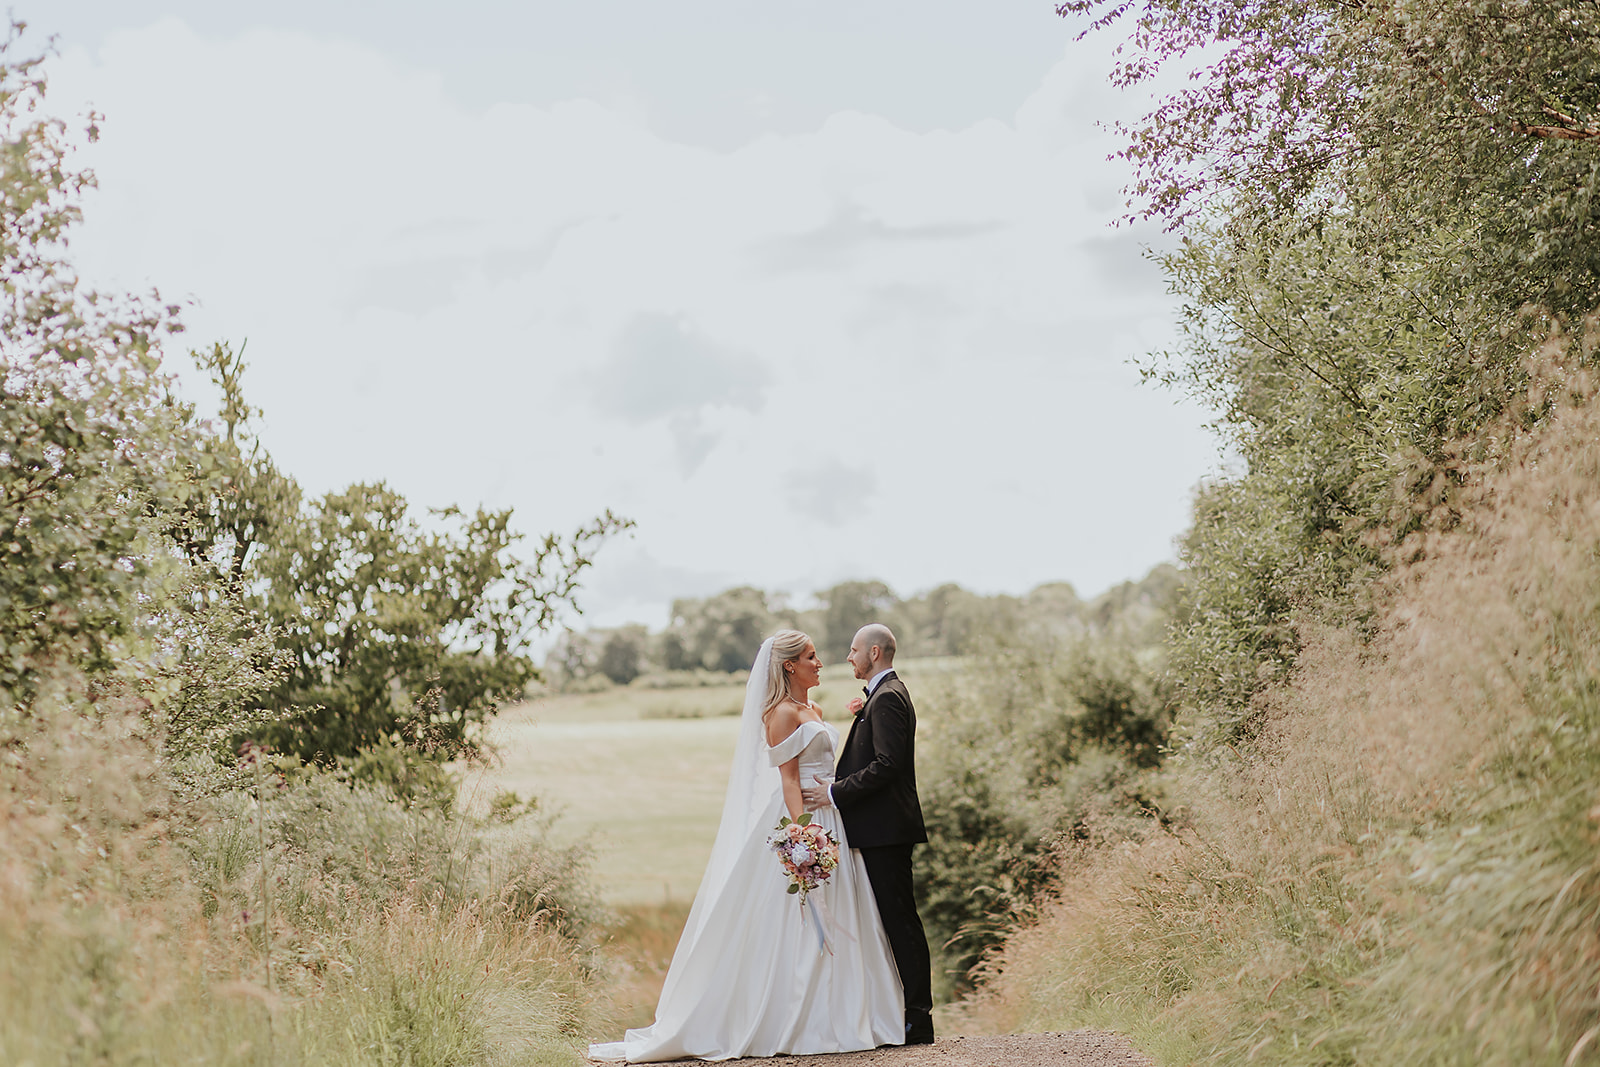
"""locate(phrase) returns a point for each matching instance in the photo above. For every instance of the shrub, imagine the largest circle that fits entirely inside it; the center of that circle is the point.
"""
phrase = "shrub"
(137, 928)
(1403, 870)
(1035, 745)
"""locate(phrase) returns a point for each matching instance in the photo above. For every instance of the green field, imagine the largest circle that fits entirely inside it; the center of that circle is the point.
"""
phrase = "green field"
(639, 773)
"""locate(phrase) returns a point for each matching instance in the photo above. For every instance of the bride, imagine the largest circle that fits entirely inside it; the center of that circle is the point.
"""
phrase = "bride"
(748, 977)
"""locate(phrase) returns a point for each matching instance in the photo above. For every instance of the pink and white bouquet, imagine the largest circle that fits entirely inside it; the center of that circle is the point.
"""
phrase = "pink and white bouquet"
(806, 851)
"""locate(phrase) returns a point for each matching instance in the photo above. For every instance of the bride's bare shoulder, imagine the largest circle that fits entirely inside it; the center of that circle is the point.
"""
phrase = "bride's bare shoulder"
(783, 721)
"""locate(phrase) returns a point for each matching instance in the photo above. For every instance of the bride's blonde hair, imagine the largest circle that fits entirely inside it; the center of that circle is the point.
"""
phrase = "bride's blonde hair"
(787, 646)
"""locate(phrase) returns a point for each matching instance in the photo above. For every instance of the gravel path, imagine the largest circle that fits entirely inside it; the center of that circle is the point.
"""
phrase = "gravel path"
(1075, 1048)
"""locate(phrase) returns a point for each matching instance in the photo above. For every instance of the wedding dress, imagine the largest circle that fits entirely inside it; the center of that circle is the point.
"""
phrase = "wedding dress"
(749, 977)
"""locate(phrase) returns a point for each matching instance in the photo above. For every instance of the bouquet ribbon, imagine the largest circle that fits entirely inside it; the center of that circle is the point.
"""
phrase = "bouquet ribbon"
(822, 922)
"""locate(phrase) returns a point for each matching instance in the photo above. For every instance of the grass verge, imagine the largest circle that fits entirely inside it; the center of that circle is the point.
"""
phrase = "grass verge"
(1405, 869)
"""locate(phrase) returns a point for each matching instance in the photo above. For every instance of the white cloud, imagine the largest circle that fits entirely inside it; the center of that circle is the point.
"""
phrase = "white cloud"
(849, 234)
(556, 309)
(831, 492)
(662, 365)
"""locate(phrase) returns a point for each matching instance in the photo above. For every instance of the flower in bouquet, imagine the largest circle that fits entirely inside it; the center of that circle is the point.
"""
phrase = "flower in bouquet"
(806, 851)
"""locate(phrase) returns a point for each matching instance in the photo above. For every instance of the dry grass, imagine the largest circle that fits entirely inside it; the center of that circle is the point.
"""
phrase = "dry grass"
(638, 947)
(135, 929)
(1407, 871)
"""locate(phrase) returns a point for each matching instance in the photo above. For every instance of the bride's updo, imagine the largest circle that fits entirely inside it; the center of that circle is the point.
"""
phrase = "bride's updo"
(787, 646)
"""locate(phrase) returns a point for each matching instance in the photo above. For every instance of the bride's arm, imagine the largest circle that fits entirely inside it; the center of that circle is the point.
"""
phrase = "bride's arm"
(790, 774)
(785, 721)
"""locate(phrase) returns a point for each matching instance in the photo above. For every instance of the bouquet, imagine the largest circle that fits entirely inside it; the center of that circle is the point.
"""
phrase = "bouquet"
(806, 851)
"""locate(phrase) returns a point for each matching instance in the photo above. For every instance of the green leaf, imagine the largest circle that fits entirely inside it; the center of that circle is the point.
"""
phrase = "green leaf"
(794, 887)
(805, 820)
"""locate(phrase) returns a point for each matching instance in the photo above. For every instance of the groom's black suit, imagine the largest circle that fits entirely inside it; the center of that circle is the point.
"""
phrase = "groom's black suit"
(876, 794)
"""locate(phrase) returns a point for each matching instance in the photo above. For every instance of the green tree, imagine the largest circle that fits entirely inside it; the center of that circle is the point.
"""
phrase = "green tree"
(102, 469)
(394, 631)
(379, 612)
(951, 621)
(724, 632)
(249, 500)
(91, 445)
(574, 657)
(846, 608)
(1384, 208)
(1484, 112)
(671, 651)
(622, 655)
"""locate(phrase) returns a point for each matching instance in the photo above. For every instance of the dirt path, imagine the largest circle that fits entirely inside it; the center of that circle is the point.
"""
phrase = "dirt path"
(1076, 1048)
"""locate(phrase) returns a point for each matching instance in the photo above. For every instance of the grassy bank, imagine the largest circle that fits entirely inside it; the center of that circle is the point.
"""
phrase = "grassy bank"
(1404, 869)
(313, 924)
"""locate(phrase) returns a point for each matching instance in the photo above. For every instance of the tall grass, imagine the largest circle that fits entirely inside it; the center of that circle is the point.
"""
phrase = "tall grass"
(1406, 870)
(638, 950)
(140, 928)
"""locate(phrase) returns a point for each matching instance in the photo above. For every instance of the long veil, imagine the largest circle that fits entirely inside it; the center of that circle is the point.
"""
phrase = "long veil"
(753, 783)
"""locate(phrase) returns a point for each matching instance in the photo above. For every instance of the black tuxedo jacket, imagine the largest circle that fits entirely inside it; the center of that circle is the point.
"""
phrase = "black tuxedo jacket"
(876, 787)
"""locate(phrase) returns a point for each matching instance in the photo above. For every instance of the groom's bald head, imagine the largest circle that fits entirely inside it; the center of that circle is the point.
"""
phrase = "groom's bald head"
(872, 650)
(879, 635)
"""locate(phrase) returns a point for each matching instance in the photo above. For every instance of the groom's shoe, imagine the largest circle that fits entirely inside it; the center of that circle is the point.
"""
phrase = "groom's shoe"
(919, 1030)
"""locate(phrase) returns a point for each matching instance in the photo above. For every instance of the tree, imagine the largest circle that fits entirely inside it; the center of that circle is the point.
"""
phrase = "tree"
(395, 631)
(723, 632)
(379, 612)
(574, 657)
(91, 445)
(622, 656)
(1486, 108)
(847, 607)
(1384, 208)
(251, 501)
(670, 650)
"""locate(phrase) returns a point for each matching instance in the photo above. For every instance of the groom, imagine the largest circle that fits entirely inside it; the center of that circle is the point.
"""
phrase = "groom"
(876, 794)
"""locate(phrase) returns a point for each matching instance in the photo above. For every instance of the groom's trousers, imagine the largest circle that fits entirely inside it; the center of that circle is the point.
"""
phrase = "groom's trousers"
(889, 871)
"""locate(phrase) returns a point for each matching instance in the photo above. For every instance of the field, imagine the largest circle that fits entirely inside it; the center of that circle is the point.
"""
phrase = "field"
(638, 773)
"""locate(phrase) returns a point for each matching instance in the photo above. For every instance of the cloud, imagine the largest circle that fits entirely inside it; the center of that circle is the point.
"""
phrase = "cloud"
(553, 307)
(692, 441)
(634, 577)
(1120, 259)
(831, 492)
(847, 233)
(661, 365)
(882, 305)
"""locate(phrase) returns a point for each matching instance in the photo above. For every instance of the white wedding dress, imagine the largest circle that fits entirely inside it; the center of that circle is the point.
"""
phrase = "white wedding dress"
(748, 977)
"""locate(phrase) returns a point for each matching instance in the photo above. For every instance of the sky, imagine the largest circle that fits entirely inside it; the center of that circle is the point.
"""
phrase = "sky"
(810, 292)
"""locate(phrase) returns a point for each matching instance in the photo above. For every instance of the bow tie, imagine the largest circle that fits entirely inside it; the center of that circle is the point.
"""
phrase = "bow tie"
(866, 692)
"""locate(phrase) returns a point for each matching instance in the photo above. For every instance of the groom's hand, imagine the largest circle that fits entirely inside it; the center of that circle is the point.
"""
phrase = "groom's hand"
(816, 796)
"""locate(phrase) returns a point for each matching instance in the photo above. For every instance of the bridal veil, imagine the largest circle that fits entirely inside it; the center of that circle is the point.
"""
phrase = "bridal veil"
(752, 783)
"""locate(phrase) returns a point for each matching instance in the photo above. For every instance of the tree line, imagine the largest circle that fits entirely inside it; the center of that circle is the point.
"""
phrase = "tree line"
(721, 633)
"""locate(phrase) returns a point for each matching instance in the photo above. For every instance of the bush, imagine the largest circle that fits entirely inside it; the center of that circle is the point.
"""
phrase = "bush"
(1031, 748)
(362, 841)
(1403, 870)
(138, 928)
